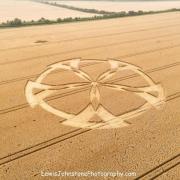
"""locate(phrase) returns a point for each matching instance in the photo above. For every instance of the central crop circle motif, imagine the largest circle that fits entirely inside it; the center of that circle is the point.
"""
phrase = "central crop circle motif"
(94, 109)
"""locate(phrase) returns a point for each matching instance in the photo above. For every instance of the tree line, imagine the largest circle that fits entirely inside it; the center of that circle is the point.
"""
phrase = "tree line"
(19, 23)
(85, 10)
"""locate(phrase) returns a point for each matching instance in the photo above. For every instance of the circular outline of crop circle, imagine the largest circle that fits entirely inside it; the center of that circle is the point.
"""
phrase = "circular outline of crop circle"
(113, 121)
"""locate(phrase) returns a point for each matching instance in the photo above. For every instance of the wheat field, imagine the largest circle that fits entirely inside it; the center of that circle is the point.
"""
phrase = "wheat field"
(35, 140)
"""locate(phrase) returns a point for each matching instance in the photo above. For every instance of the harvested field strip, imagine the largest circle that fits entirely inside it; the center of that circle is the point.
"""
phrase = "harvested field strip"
(116, 6)
(23, 10)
